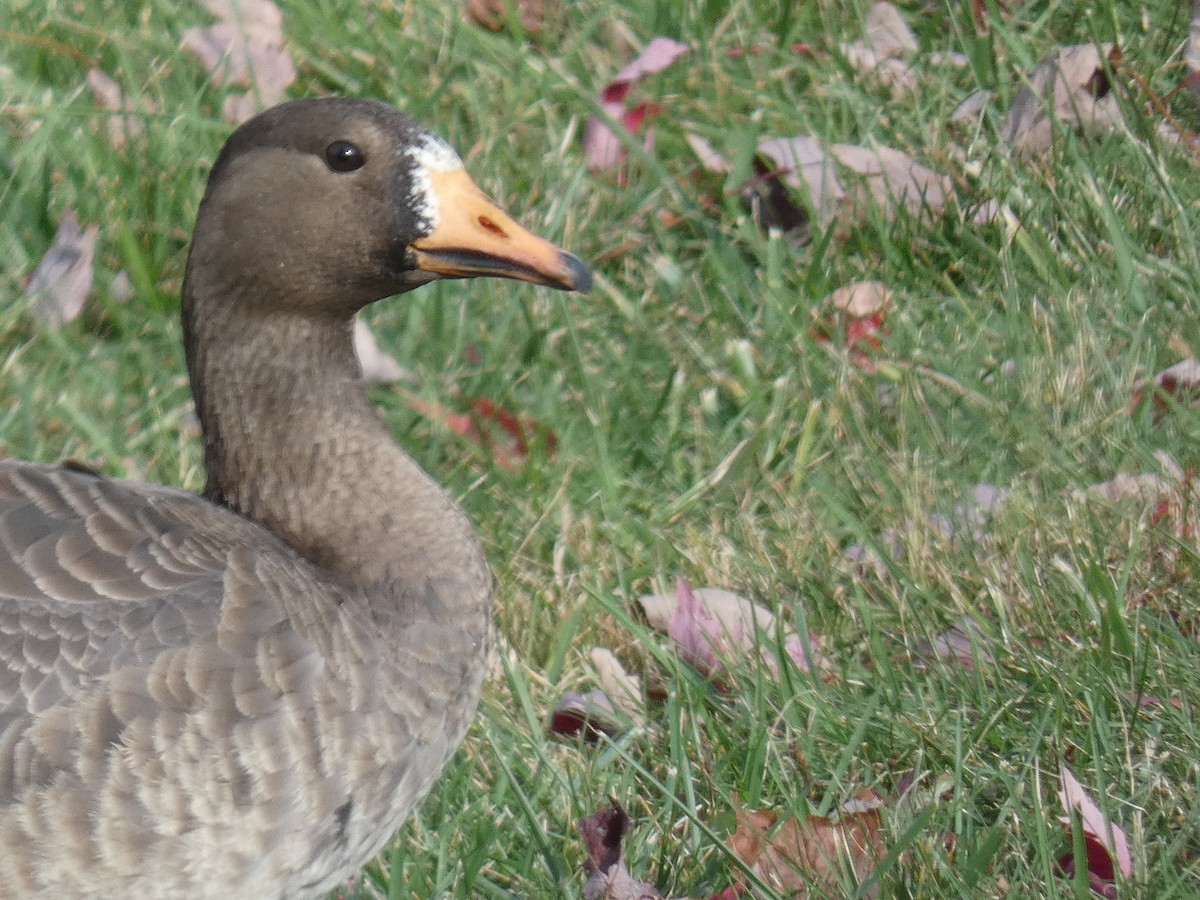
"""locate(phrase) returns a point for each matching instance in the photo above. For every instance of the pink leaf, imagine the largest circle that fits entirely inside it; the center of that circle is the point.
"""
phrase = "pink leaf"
(1108, 846)
(602, 145)
(657, 55)
(698, 634)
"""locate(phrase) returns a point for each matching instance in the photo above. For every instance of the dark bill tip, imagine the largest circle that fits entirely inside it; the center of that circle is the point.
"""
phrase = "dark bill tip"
(579, 274)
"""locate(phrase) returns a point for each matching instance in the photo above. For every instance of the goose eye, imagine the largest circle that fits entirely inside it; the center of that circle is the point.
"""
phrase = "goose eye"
(343, 156)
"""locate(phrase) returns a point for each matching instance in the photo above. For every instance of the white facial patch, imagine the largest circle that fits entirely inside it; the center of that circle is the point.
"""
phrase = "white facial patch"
(429, 154)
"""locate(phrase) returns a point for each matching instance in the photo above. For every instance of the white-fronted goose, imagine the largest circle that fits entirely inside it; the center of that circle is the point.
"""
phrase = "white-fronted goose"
(244, 694)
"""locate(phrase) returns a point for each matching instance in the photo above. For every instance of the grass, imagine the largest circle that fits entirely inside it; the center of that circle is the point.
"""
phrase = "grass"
(703, 429)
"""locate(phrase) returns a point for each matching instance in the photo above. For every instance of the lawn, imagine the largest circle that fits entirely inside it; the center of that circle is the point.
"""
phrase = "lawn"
(707, 412)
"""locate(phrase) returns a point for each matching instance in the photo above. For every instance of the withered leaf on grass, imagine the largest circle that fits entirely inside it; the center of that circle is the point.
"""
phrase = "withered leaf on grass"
(589, 715)
(1107, 845)
(1145, 487)
(493, 14)
(713, 628)
(244, 48)
(608, 877)
(889, 40)
(60, 284)
(1180, 382)
(611, 710)
(895, 178)
(601, 144)
(966, 520)
(624, 689)
(817, 857)
(963, 641)
(880, 177)
(1191, 51)
(125, 121)
(1071, 87)
(508, 436)
(856, 320)
(800, 163)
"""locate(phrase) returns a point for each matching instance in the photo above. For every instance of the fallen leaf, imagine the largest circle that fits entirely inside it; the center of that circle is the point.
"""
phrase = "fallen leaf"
(623, 689)
(608, 878)
(974, 104)
(889, 40)
(62, 281)
(1071, 87)
(963, 641)
(1191, 50)
(779, 162)
(1107, 845)
(1180, 382)
(601, 144)
(895, 177)
(969, 516)
(127, 120)
(121, 287)
(244, 48)
(377, 367)
(802, 164)
(699, 635)
(505, 434)
(888, 33)
(494, 14)
(713, 627)
(590, 715)
(817, 857)
(856, 320)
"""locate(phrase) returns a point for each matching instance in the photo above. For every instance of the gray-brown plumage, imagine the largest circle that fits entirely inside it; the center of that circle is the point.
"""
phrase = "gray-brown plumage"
(244, 694)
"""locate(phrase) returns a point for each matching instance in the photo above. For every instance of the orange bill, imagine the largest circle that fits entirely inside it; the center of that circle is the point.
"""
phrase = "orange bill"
(475, 237)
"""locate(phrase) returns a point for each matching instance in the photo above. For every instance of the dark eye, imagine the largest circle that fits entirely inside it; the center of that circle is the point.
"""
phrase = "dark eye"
(343, 156)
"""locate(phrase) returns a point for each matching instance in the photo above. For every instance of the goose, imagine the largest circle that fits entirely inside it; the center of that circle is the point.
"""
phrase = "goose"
(244, 693)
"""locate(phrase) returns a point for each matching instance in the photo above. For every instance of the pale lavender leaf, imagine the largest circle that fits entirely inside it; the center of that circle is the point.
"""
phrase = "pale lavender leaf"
(60, 284)
(888, 33)
(698, 634)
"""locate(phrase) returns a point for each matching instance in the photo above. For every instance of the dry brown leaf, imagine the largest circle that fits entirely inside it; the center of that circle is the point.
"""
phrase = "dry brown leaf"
(964, 641)
(1071, 87)
(895, 177)
(601, 144)
(62, 280)
(493, 14)
(588, 715)
(818, 857)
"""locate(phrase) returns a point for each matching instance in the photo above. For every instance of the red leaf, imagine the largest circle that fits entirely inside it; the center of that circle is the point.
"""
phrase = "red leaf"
(602, 146)
(1107, 845)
